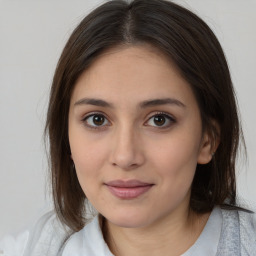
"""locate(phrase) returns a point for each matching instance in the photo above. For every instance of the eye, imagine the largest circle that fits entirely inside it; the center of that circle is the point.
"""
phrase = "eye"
(96, 121)
(161, 120)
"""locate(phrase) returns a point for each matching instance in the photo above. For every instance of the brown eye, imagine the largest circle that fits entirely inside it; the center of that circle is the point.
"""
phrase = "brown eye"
(96, 120)
(159, 120)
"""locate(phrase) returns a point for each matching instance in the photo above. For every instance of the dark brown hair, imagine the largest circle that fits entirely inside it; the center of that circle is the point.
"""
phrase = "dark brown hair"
(192, 46)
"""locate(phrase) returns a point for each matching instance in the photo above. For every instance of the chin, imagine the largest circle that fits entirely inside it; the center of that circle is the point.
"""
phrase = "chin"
(128, 224)
(128, 220)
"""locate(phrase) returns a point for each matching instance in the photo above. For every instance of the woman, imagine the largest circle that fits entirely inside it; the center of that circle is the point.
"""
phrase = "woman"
(143, 124)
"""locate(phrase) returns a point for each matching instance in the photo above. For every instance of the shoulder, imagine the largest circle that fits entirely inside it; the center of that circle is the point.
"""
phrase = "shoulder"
(239, 231)
(10, 245)
(239, 218)
(45, 238)
(48, 236)
(248, 232)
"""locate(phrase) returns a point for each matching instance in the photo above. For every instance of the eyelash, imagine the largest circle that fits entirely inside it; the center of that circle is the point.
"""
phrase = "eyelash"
(167, 116)
(85, 119)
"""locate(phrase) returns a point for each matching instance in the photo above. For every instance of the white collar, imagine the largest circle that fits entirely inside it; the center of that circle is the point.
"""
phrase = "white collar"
(89, 240)
(207, 243)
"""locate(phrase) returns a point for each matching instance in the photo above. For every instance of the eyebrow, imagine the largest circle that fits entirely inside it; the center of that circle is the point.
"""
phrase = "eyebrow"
(94, 102)
(165, 101)
(144, 104)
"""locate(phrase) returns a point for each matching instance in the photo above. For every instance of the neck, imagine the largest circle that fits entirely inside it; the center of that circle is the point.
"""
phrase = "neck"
(170, 236)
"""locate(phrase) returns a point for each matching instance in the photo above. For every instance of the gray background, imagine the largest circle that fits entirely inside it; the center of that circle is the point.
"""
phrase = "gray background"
(32, 35)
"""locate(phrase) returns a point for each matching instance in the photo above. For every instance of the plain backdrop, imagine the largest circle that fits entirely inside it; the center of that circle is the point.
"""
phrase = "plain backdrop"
(32, 35)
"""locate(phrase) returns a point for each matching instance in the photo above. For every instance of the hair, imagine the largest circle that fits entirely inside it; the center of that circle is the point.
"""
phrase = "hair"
(189, 42)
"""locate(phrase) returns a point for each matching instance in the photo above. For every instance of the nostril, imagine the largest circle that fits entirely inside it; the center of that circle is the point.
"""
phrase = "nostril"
(125, 166)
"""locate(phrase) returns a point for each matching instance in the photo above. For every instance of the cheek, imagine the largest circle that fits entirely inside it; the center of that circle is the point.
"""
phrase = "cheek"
(177, 150)
(175, 159)
(175, 165)
(89, 158)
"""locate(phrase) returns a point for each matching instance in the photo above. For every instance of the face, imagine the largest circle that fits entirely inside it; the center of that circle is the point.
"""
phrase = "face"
(136, 137)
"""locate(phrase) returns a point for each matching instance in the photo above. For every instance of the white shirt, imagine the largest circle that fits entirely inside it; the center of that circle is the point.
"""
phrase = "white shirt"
(89, 241)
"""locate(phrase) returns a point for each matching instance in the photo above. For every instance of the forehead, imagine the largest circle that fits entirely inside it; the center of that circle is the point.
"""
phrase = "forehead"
(132, 73)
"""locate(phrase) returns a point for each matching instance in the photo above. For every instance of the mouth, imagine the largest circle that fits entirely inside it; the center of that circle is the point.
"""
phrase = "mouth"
(130, 189)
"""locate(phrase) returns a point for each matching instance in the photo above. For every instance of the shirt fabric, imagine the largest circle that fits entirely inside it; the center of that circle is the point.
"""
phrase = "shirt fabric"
(227, 233)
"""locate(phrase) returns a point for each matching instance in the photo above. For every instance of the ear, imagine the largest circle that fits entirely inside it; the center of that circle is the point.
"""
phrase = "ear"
(209, 144)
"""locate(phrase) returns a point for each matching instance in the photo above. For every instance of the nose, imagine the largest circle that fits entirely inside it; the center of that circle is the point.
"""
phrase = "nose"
(127, 149)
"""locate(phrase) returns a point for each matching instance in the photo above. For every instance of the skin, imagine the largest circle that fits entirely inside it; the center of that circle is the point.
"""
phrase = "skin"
(130, 144)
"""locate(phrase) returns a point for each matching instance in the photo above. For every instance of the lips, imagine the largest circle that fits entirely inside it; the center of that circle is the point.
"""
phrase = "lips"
(130, 189)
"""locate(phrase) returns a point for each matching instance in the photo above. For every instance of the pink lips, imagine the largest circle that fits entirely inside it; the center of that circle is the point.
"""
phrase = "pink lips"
(128, 189)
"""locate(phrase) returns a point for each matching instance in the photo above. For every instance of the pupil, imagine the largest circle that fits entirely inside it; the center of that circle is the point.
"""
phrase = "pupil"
(159, 120)
(98, 120)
